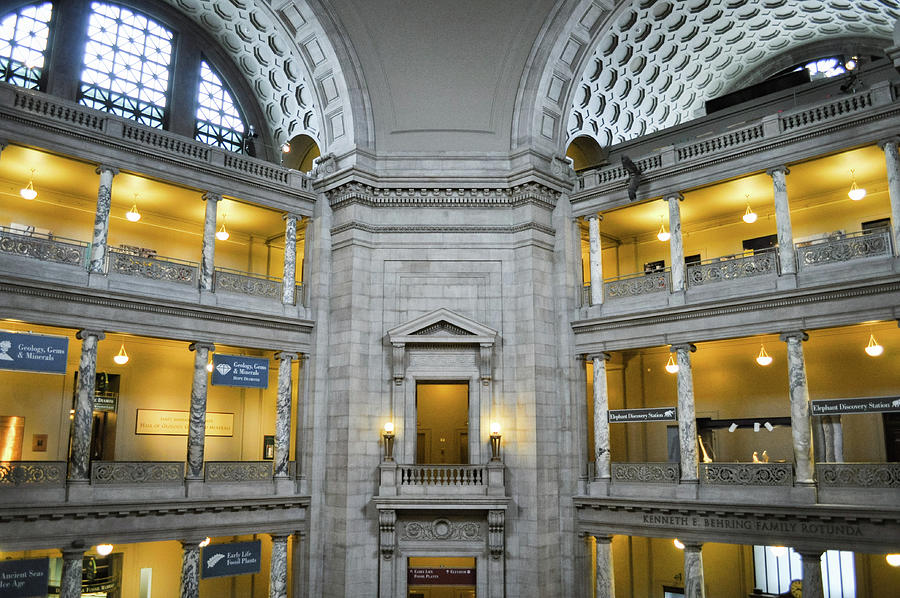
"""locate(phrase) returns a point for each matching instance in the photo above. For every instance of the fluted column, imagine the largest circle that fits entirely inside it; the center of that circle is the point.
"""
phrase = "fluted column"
(601, 418)
(800, 425)
(80, 462)
(101, 218)
(596, 259)
(208, 259)
(289, 281)
(676, 248)
(278, 571)
(687, 419)
(605, 586)
(783, 220)
(693, 571)
(892, 160)
(72, 572)
(190, 570)
(812, 573)
(197, 425)
(283, 414)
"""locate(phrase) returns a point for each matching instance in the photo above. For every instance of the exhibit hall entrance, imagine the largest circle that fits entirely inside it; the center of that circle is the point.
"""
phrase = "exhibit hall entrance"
(440, 577)
(442, 423)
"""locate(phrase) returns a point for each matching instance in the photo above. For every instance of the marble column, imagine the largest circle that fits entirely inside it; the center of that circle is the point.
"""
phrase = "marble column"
(801, 431)
(190, 570)
(783, 220)
(605, 586)
(101, 218)
(197, 425)
(80, 461)
(208, 258)
(72, 572)
(596, 259)
(283, 414)
(289, 280)
(278, 571)
(687, 419)
(693, 571)
(892, 160)
(812, 573)
(601, 418)
(676, 247)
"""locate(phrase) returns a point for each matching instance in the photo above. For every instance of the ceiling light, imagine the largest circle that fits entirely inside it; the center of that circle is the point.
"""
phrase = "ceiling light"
(763, 358)
(133, 215)
(851, 63)
(104, 549)
(749, 216)
(671, 366)
(662, 235)
(678, 544)
(286, 147)
(873, 348)
(856, 192)
(28, 192)
(121, 358)
(205, 542)
(892, 559)
(222, 234)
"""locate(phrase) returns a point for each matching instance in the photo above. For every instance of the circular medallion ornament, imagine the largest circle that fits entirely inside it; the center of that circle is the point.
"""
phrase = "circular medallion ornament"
(441, 529)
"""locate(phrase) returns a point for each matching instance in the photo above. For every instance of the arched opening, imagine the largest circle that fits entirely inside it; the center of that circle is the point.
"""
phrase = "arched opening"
(586, 153)
(299, 153)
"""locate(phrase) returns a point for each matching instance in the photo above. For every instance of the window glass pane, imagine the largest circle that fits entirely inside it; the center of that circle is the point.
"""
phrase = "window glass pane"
(23, 44)
(218, 121)
(127, 61)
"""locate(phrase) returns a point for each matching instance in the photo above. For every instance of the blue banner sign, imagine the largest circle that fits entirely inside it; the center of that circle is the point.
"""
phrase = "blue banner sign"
(23, 578)
(225, 560)
(33, 352)
(237, 370)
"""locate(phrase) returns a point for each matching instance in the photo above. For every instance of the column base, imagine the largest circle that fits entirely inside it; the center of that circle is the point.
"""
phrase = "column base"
(599, 487)
(688, 489)
(194, 488)
(284, 486)
(786, 281)
(79, 491)
(804, 492)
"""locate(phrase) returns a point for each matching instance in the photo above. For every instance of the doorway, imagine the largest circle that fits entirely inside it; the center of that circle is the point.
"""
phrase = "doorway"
(440, 577)
(442, 423)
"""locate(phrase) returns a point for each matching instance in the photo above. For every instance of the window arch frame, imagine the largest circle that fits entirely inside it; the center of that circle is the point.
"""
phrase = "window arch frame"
(17, 7)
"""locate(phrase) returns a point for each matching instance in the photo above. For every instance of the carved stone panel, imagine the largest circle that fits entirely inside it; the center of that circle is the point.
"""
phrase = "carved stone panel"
(443, 528)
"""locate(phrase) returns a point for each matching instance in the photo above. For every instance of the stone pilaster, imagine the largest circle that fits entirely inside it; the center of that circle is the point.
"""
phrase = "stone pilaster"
(601, 418)
(79, 464)
(101, 218)
(596, 259)
(693, 570)
(283, 414)
(190, 570)
(208, 259)
(197, 425)
(605, 586)
(289, 280)
(892, 161)
(676, 247)
(687, 419)
(783, 220)
(278, 571)
(812, 573)
(800, 426)
(72, 571)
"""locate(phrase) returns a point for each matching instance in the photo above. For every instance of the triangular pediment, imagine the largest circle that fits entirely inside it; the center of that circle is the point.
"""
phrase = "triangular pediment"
(442, 325)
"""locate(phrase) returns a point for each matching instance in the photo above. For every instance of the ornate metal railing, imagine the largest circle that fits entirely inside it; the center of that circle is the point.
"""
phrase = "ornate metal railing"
(730, 267)
(658, 473)
(844, 247)
(258, 285)
(43, 247)
(32, 473)
(632, 285)
(747, 474)
(153, 267)
(137, 472)
(238, 471)
(858, 475)
(586, 295)
(442, 475)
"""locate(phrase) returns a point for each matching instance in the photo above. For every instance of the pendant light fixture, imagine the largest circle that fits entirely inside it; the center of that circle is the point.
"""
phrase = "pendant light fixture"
(671, 365)
(28, 192)
(856, 192)
(763, 358)
(121, 358)
(662, 235)
(873, 349)
(133, 215)
(222, 234)
(749, 216)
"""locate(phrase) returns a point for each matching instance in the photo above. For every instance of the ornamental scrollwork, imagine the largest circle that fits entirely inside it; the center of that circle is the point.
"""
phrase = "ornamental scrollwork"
(859, 475)
(238, 471)
(247, 285)
(747, 474)
(45, 250)
(152, 268)
(32, 473)
(125, 472)
(638, 285)
(441, 529)
(732, 268)
(645, 472)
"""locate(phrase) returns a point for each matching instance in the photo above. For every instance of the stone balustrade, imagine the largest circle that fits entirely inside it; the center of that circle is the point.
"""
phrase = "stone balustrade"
(747, 474)
(137, 472)
(442, 475)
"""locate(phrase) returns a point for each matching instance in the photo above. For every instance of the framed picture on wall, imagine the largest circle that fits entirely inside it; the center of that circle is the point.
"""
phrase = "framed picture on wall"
(268, 448)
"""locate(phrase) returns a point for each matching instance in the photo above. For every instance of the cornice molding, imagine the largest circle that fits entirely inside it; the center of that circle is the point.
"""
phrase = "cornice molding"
(436, 229)
(360, 193)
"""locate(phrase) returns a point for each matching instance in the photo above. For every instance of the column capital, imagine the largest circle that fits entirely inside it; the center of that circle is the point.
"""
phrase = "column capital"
(603, 355)
(191, 543)
(3, 144)
(279, 535)
(602, 539)
(293, 215)
(99, 334)
(211, 196)
(693, 546)
(101, 168)
(288, 355)
(810, 553)
(794, 334)
(597, 217)
(683, 347)
(673, 195)
(783, 169)
(201, 345)
(895, 140)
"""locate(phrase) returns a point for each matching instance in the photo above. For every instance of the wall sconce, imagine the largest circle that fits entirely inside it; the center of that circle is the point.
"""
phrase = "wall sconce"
(495, 441)
(28, 192)
(388, 436)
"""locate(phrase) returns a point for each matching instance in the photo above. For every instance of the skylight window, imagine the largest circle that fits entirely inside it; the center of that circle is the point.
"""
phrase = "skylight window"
(23, 43)
(219, 122)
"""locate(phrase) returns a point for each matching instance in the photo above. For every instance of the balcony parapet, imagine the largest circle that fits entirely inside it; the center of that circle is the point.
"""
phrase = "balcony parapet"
(46, 248)
(154, 267)
(843, 247)
(137, 472)
(238, 471)
(747, 474)
(632, 285)
(442, 480)
(858, 475)
(22, 474)
(236, 281)
(732, 267)
(651, 473)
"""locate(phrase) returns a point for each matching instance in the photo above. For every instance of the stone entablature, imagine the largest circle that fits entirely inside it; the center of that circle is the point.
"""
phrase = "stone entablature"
(479, 197)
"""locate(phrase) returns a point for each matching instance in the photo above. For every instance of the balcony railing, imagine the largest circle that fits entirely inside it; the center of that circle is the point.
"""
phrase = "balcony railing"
(731, 267)
(32, 473)
(442, 475)
(238, 471)
(153, 267)
(586, 295)
(137, 472)
(44, 247)
(257, 285)
(660, 473)
(858, 475)
(633, 285)
(842, 247)
(747, 474)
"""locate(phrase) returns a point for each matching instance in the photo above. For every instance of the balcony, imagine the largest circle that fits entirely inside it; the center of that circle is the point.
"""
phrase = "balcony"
(442, 481)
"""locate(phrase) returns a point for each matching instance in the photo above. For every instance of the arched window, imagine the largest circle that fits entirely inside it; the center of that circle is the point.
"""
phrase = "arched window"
(218, 121)
(126, 68)
(23, 41)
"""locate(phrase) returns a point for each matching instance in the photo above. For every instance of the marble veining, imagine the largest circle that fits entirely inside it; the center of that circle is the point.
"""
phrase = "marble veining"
(84, 405)
(197, 425)
(892, 160)
(72, 570)
(279, 566)
(101, 218)
(283, 414)
(605, 586)
(783, 221)
(687, 424)
(693, 572)
(596, 260)
(190, 570)
(290, 259)
(601, 418)
(208, 252)
(800, 425)
(676, 248)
